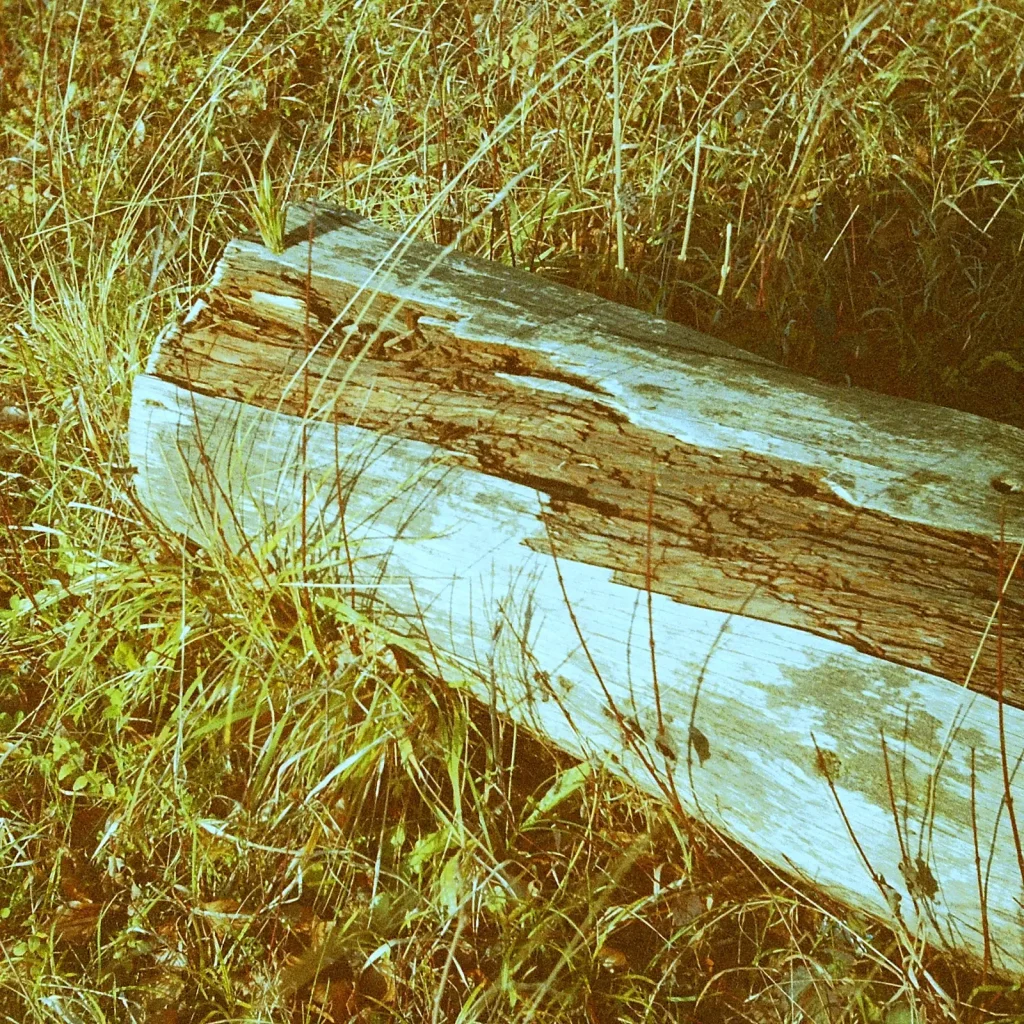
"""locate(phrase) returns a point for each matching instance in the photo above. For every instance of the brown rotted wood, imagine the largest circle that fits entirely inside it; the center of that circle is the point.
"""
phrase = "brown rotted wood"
(732, 530)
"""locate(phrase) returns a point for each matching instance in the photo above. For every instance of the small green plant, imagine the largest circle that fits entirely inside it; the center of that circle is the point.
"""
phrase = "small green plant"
(268, 205)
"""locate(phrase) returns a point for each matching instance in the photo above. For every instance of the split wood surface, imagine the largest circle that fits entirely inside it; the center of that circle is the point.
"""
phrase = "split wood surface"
(771, 602)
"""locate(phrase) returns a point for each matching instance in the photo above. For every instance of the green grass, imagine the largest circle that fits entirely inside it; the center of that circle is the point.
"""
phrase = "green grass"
(218, 803)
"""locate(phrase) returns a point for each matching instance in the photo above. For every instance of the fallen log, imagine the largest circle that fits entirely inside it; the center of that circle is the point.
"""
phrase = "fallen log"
(773, 603)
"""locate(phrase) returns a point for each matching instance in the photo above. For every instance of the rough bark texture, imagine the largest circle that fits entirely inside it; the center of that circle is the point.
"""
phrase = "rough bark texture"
(769, 601)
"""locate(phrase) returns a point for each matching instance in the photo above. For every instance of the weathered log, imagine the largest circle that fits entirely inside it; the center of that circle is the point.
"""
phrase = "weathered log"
(772, 602)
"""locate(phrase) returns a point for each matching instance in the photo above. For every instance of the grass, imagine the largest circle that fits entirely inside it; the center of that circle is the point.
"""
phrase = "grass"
(215, 806)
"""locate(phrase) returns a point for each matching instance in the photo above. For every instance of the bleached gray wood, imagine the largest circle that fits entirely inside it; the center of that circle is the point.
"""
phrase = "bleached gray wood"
(765, 698)
(520, 463)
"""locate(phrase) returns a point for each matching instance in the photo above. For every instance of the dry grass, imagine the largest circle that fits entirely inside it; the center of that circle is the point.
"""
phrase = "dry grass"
(217, 807)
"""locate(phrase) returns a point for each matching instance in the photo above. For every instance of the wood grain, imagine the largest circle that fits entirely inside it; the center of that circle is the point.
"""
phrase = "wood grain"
(755, 596)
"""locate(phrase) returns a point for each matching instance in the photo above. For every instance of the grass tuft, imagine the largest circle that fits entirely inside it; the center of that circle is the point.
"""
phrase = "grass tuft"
(267, 207)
